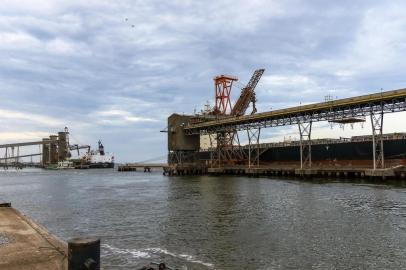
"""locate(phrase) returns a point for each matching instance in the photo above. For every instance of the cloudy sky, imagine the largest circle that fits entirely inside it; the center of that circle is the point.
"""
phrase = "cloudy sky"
(81, 64)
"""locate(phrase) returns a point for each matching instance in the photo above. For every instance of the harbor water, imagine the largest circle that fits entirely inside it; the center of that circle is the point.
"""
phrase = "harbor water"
(207, 222)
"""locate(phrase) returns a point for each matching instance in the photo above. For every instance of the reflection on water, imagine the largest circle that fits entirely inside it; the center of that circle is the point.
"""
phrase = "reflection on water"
(218, 222)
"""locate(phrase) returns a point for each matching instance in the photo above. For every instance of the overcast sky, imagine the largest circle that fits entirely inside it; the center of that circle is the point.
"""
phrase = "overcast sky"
(81, 64)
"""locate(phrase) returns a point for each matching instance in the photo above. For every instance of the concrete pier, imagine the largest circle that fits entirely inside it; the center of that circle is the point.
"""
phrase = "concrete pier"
(146, 167)
(395, 172)
(26, 245)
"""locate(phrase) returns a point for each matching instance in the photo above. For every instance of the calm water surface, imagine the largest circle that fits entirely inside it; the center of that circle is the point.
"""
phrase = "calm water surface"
(218, 222)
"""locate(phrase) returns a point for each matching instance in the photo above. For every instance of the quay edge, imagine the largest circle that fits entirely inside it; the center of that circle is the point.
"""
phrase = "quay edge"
(26, 245)
(396, 172)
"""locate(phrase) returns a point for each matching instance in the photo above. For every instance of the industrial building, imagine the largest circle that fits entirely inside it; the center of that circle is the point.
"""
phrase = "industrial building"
(209, 142)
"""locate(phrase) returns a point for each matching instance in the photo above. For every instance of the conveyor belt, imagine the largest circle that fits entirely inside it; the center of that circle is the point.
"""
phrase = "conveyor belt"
(20, 156)
(24, 144)
(389, 101)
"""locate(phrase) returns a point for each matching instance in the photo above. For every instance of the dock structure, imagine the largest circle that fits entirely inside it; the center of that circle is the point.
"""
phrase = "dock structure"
(147, 167)
(350, 172)
(398, 172)
(185, 169)
(228, 156)
(27, 245)
(50, 150)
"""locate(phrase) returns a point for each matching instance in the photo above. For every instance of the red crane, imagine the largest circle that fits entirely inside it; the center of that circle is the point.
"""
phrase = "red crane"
(222, 88)
(222, 92)
(247, 95)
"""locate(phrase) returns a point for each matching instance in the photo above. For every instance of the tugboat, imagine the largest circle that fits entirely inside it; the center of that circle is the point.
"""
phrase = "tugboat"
(98, 158)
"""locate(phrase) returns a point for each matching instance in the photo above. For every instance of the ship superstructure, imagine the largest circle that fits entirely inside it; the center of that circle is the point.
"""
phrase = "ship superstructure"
(98, 158)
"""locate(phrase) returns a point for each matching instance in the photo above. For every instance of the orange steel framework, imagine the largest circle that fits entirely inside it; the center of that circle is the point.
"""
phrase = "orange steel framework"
(222, 92)
(228, 143)
(225, 140)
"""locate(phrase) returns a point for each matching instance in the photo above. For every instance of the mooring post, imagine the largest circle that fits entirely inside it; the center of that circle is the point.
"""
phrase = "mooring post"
(84, 253)
(5, 204)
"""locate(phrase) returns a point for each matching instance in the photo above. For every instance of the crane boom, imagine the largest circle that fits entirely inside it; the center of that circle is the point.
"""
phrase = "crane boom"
(247, 95)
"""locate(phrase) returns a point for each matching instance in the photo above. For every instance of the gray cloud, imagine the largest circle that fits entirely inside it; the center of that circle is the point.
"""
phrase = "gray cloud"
(82, 64)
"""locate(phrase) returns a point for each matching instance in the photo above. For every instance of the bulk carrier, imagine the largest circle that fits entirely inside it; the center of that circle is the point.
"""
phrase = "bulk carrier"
(354, 151)
(97, 158)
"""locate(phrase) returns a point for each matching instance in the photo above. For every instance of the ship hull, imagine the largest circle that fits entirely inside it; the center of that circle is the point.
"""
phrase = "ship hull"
(101, 165)
(349, 153)
(393, 149)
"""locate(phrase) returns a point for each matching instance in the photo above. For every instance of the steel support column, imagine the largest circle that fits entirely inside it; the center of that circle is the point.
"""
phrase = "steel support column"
(305, 130)
(253, 146)
(229, 148)
(6, 158)
(39, 151)
(213, 150)
(377, 139)
(175, 157)
(181, 157)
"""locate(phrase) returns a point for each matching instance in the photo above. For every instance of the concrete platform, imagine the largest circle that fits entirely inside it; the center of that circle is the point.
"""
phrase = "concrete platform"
(27, 245)
(396, 172)
(147, 167)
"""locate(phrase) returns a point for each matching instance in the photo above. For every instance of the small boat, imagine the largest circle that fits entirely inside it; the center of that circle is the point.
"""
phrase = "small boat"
(51, 167)
(66, 164)
(62, 165)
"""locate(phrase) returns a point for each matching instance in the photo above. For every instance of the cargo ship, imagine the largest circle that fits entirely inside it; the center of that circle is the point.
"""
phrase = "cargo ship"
(354, 151)
(97, 158)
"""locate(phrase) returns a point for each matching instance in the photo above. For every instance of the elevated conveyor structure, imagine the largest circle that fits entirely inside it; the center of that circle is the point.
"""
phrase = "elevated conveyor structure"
(341, 110)
(388, 102)
(51, 150)
(24, 144)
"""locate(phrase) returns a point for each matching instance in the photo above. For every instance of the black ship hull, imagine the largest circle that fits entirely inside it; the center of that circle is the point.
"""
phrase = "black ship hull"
(329, 153)
(393, 149)
(101, 165)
